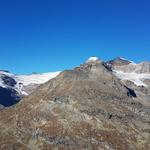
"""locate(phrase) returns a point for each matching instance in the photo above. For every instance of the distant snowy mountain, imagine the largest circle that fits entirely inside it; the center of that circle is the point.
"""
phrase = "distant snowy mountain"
(14, 87)
(128, 70)
(26, 81)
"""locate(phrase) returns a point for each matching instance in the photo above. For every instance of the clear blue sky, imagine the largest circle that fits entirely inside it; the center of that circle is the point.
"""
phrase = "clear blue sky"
(51, 35)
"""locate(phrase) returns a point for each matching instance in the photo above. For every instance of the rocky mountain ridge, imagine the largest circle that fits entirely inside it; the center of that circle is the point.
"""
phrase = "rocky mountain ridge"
(88, 107)
(15, 87)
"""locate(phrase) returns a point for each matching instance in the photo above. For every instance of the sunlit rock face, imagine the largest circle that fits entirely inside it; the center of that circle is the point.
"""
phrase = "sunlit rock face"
(88, 107)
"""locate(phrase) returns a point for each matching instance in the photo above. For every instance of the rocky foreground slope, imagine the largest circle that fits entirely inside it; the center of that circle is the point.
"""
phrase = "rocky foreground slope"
(87, 108)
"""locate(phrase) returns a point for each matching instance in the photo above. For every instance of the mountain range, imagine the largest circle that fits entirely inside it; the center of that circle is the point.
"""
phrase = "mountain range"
(97, 105)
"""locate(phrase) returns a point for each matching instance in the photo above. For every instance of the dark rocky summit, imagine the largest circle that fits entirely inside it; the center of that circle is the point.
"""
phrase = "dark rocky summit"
(87, 108)
(8, 80)
(119, 61)
(8, 97)
(8, 94)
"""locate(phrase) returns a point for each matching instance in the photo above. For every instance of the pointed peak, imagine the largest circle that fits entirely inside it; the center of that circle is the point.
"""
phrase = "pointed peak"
(119, 61)
(121, 58)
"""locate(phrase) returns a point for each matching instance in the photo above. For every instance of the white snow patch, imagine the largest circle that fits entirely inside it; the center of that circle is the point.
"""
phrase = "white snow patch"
(136, 78)
(91, 59)
(36, 78)
(24, 80)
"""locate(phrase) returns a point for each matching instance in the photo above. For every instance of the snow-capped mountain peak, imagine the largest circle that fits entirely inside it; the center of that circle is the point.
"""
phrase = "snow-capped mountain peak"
(92, 59)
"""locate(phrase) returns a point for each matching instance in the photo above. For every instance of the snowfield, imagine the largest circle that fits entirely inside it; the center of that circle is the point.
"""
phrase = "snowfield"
(36, 78)
(92, 59)
(25, 80)
(136, 78)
